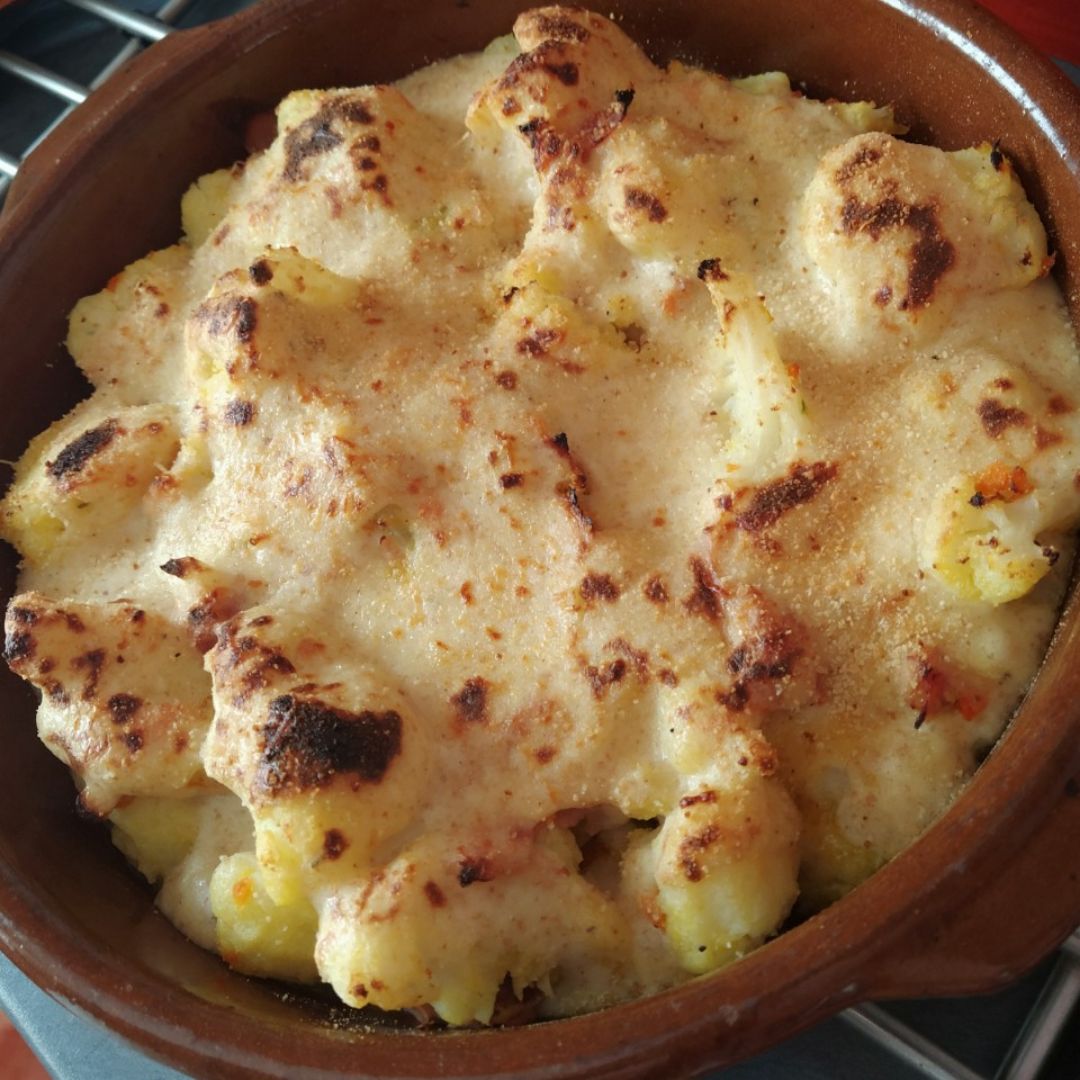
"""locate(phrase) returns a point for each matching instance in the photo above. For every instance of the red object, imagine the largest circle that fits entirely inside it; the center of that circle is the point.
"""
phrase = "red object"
(17, 1061)
(1051, 25)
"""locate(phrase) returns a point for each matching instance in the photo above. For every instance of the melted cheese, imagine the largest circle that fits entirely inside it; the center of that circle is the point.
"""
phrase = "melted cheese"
(545, 518)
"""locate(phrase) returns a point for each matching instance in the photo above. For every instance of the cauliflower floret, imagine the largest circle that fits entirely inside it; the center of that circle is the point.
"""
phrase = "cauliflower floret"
(254, 934)
(988, 548)
(723, 867)
(82, 475)
(125, 702)
(325, 755)
(769, 424)
(905, 231)
(428, 929)
(128, 338)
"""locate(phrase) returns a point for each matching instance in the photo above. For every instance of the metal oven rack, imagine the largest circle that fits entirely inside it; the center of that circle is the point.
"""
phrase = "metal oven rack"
(898, 1040)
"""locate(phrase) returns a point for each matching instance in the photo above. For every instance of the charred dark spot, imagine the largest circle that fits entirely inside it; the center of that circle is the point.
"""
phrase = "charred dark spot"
(72, 621)
(18, 645)
(566, 73)
(668, 677)
(230, 315)
(573, 503)
(931, 257)
(545, 143)
(700, 797)
(55, 691)
(857, 216)
(601, 678)
(769, 503)
(366, 164)
(334, 844)
(123, 707)
(639, 658)
(305, 743)
(23, 616)
(511, 480)
(883, 296)
(996, 416)
(625, 99)
(711, 270)
(133, 740)
(560, 443)
(261, 272)
(316, 135)
(508, 380)
(1057, 406)
(599, 587)
(771, 655)
(736, 698)
(470, 702)
(536, 343)
(1045, 438)
(239, 413)
(692, 847)
(637, 199)
(74, 456)
(91, 662)
(978, 499)
(473, 868)
(436, 897)
(180, 568)
(997, 158)
(864, 157)
(561, 28)
(545, 754)
(707, 597)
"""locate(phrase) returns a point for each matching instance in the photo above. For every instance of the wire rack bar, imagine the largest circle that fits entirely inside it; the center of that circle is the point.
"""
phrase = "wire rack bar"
(169, 12)
(131, 22)
(1047, 1019)
(43, 78)
(907, 1044)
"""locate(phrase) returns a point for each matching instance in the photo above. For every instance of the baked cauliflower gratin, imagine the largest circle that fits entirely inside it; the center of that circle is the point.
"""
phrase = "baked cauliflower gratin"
(547, 519)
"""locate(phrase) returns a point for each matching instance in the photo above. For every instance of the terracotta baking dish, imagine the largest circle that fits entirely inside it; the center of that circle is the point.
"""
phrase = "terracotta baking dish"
(981, 897)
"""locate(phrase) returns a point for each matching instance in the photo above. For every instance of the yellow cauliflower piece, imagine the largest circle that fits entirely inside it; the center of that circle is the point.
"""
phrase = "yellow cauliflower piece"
(156, 834)
(254, 934)
(206, 203)
(85, 473)
(986, 549)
